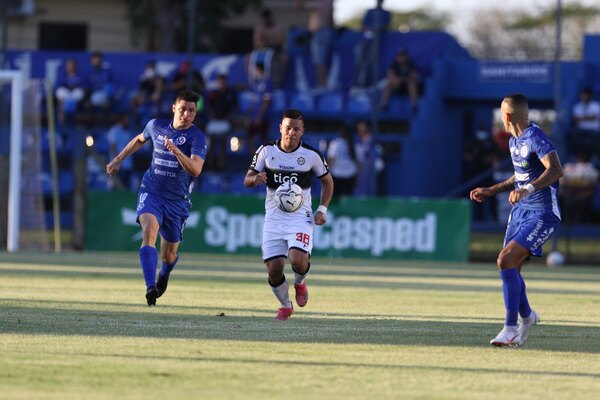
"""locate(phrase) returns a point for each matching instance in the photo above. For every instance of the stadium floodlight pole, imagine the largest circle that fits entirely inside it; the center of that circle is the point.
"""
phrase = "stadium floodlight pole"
(557, 81)
(14, 178)
(192, 6)
(374, 94)
(559, 135)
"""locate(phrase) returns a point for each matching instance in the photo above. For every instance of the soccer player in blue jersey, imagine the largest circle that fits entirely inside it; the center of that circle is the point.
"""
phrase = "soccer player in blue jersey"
(289, 234)
(164, 194)
(534, 217)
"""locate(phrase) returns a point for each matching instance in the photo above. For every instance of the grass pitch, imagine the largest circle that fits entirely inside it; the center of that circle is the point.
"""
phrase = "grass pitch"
(76, 326)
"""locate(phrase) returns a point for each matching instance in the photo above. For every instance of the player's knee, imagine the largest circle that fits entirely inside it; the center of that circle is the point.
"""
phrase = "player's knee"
(299, 264)
(505, 261)
(275, 276)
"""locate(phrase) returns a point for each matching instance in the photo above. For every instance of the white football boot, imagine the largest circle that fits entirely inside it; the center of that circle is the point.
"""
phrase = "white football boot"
(508, 336)
(525, 326)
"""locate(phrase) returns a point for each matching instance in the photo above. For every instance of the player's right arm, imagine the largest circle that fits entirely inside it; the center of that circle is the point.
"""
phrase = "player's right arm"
(254, 178)
(134, 145)
(480, 193)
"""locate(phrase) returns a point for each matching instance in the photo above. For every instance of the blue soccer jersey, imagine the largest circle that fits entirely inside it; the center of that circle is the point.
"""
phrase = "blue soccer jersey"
(526, 152)
(166, 177)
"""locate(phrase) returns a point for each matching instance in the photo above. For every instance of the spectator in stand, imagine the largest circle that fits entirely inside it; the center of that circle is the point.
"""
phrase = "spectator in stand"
(70, 92)
(578, 187)
(220, 104)
(257, 121)
(101, 85)
(586, 120)
(188, 78)
(375, 20)
(479, 156)
(321, 27)
(370, 163)
(341, 157)
(269, 42)
(181, 76)
(402, 78)
(118, 136)
(146, 101)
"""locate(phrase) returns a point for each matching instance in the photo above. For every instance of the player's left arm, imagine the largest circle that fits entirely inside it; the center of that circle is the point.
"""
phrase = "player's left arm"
(326, 195)
(552, 173)
(193, 165)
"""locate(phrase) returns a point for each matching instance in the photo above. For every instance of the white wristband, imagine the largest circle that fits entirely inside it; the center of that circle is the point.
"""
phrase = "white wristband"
(530, 188)
(322, 209)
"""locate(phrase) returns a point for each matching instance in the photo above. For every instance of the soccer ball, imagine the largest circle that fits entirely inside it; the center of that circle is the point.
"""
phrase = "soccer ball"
(289, 197)
(555, 259)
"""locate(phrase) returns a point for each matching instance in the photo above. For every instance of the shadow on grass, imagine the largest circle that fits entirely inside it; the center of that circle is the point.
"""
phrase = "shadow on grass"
(333, 364)
(303, 327)
(370, 283)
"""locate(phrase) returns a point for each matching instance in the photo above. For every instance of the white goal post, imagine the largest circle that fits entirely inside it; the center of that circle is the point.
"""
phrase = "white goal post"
(16, 79)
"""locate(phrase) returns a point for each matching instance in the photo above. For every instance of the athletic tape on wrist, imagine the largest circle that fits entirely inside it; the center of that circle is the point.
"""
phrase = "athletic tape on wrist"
(322, 209)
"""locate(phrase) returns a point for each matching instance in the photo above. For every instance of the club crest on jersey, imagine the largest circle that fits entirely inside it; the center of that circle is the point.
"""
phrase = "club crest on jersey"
(180, 140)
(301, 160)
(524, 151)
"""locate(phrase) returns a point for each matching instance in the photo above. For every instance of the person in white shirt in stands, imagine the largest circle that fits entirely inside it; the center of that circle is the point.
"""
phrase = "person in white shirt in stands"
(586, 121)
(341, 158)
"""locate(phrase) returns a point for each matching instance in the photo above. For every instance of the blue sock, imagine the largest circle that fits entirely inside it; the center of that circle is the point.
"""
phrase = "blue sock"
(148, 259)
(511, 287)
(524, 309)
(167, 268)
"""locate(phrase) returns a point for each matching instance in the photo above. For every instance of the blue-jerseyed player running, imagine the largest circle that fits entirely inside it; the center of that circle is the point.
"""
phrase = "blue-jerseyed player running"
(534, 217)
(164, 196)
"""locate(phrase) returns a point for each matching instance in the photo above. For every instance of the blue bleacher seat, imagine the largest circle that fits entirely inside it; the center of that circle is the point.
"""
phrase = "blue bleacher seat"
(278, 102)
(246, 99)
(399, 105)
(304, 101)
(65, 182)
(331, 102)
(211, 182)
(359, 104)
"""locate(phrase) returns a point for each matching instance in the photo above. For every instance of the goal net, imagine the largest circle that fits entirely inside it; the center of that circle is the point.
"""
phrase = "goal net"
(22, 212)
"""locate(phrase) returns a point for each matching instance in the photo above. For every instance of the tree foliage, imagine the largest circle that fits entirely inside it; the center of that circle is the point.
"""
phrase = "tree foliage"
(420, 19)
(162, 25)
(500, 33)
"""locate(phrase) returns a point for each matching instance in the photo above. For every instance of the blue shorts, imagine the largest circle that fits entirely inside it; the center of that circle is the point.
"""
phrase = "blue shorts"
(171, 214)
(530, 228)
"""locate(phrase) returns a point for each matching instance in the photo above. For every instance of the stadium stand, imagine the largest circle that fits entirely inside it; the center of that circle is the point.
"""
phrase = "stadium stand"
(460, 93)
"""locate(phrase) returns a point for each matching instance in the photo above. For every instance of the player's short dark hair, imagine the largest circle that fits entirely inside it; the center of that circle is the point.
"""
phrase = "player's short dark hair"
(517, 99)
(293, 113)
(187, 95)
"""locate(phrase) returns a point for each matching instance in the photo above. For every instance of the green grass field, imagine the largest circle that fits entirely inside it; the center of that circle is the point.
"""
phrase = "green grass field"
(76, 326)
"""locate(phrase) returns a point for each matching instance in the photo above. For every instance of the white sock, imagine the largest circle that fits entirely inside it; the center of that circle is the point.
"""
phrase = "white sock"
(282, 294)
(299, 279)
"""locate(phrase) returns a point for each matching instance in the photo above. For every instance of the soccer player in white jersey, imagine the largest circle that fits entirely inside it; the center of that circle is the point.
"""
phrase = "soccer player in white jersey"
(534, 217)
(289, 234)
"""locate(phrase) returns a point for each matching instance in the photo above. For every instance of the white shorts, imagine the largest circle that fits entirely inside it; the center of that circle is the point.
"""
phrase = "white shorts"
(279, 237)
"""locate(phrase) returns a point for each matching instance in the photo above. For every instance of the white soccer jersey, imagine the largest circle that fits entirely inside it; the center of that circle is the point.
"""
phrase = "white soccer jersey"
(297, 166)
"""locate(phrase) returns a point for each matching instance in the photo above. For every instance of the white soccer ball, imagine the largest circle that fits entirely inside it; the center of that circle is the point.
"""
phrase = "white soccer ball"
(289, 197)
(555, 259)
